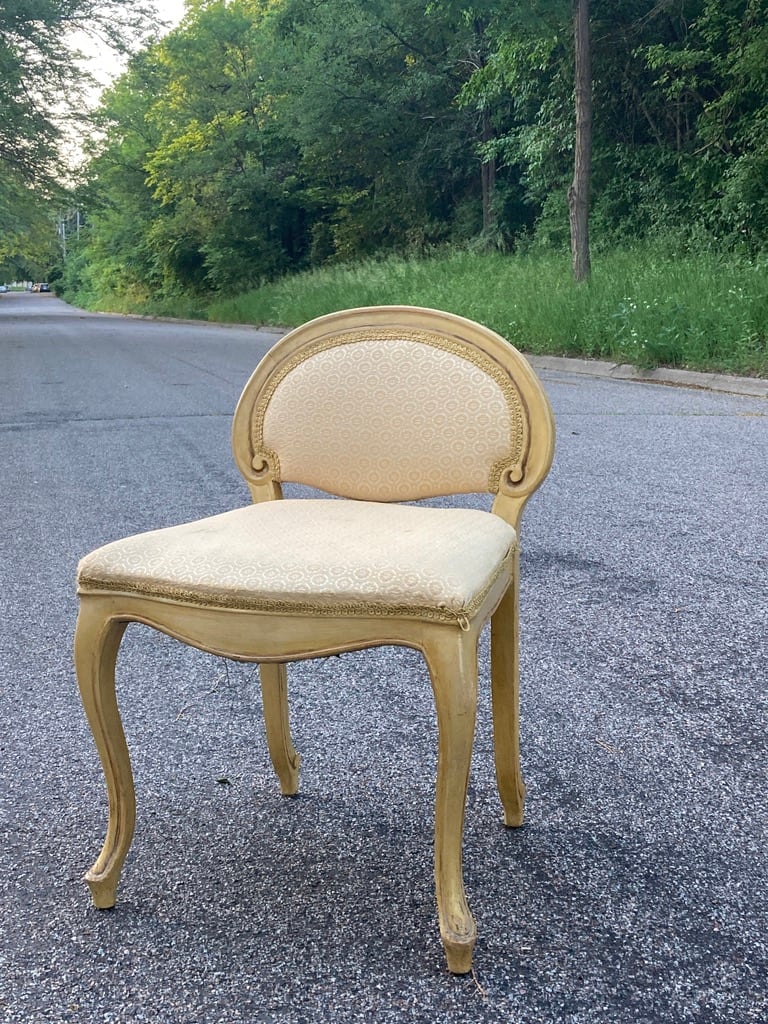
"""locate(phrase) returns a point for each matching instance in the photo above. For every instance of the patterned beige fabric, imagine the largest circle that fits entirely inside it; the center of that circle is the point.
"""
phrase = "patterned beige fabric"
(315, 557)
(391, 419)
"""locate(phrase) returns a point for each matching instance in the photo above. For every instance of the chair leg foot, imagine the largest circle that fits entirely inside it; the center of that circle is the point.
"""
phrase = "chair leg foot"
(458, 949)
(103, 888)
(289, 783)
(274, 695)
(514, 806)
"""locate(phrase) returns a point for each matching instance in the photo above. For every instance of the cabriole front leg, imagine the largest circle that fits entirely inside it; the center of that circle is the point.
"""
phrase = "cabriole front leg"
(97, 640)
(453, 668)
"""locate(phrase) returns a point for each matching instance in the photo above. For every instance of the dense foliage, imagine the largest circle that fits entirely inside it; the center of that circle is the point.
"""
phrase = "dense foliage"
(41, 90)
(266, 136)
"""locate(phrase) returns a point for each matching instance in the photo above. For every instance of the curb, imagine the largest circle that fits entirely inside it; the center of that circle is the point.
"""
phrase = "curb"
(754, 387)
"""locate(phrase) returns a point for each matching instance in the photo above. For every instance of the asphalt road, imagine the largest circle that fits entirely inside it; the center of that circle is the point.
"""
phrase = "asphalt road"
(637, 890)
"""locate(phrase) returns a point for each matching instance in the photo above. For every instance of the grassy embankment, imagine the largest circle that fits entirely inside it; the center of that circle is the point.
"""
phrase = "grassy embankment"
(705, 311)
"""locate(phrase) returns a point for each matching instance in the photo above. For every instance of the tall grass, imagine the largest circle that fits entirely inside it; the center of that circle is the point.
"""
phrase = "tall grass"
(642, 306)
(702, 311)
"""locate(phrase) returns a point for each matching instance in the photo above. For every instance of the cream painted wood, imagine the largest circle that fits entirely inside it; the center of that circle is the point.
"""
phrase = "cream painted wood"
(453, 668)
(97, 639)
(505, 701)
(272, 639)
(274, 696)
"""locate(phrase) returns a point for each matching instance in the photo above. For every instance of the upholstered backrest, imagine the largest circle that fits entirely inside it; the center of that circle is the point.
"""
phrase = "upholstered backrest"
(392, 404)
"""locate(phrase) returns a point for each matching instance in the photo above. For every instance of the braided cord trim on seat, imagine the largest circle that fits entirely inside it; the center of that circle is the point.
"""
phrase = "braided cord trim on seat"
(256, 603)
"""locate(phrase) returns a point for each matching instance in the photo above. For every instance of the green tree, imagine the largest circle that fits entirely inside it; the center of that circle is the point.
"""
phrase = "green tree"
(369, 98)
(224, 169)
(190, 186)
(41, 83)
(264, 135)
(534, 54)
(714, 79)
(120, 210)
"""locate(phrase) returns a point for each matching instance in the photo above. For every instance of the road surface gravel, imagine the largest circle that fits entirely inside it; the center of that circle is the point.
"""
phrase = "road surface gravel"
(635, 892)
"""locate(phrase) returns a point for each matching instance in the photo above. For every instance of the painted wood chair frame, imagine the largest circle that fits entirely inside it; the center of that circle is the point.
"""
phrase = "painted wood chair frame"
(272, 634)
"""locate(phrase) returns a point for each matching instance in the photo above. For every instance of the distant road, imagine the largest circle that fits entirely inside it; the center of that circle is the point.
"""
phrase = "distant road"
(66, 362)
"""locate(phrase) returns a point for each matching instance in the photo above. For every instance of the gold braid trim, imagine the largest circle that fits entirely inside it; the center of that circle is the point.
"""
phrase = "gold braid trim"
(511, 463)
(282, 606)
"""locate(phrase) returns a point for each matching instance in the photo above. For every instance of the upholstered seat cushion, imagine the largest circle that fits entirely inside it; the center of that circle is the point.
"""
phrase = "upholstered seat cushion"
(315, 556)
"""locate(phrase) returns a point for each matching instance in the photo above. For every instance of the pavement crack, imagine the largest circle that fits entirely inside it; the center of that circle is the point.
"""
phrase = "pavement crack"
(42, 423)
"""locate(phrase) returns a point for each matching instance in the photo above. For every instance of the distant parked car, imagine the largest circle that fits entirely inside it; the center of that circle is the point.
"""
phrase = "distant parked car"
(43, 287)
(3, 287)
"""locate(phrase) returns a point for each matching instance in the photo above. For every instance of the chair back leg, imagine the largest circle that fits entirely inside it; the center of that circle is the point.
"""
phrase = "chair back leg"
(505, 672)
(274, 695)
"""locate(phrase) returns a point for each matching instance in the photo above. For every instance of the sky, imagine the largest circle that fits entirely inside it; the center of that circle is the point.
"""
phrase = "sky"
(103, 66)
(170, 10)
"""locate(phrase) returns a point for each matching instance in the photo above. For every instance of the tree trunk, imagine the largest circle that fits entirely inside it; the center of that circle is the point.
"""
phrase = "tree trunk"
(578, 193)
(488, 178)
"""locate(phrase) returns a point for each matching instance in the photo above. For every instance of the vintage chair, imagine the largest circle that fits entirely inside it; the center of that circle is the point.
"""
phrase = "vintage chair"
(377, 406)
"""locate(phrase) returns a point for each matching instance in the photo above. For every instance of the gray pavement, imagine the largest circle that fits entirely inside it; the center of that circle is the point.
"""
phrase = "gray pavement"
(727, 383)
(636, 891)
